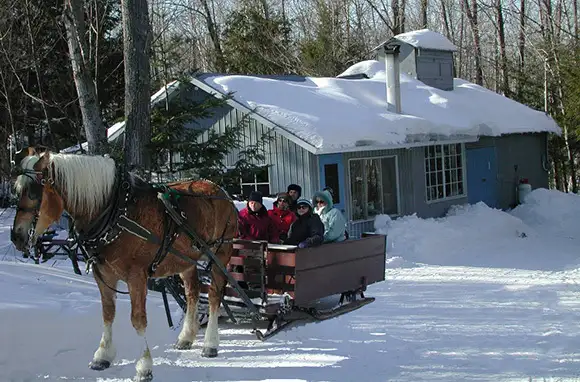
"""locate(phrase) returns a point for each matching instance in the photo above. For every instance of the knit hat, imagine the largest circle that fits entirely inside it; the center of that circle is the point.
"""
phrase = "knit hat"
(256, 196)
(304, 201)
(296, 188)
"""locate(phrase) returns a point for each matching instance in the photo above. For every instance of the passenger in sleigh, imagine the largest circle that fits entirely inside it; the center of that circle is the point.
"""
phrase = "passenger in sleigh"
(308, 230)
(333, 220)
(281, 214)
(254, 223)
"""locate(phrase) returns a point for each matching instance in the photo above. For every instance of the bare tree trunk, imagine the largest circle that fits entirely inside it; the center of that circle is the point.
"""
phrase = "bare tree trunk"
(505, 87)
(397, 28)
(137, 44)
(575, 8)
(75, 29)
(473, 22)
(423, 13)
(445, 19)
(220, 63)
(37, 73)
(522, 50)
(402, 18)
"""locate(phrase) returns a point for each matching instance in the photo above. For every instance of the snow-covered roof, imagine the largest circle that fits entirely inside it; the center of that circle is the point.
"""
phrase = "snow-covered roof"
(336, 113)
(426, 39)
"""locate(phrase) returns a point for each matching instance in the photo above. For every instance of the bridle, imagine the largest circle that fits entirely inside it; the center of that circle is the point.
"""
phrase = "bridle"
(34, 192)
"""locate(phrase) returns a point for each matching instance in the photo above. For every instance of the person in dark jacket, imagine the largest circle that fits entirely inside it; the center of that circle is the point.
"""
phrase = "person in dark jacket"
(308, 230)
(254, 222)
(295, 191)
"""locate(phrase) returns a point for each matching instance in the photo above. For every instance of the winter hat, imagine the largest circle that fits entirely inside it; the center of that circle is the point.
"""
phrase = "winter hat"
(296, 188)
(256, 196)
(324, 195)
(285, 196)
(304, 201)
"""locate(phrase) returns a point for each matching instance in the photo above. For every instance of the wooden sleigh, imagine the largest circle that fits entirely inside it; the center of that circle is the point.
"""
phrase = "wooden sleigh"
(289, 285)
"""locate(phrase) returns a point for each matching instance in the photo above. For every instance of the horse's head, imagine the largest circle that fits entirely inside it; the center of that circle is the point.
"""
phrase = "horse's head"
(39, 204)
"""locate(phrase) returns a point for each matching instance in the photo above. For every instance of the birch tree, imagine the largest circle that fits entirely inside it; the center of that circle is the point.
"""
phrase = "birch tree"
(95, 129)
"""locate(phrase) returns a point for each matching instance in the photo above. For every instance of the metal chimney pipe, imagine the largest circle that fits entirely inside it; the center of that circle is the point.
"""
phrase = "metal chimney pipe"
(393, 79)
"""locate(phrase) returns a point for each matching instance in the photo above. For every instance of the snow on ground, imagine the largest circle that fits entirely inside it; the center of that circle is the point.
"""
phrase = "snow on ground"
(479, 295)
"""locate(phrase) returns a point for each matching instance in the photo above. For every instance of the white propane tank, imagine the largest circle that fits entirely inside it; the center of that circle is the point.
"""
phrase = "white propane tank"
(524, 188)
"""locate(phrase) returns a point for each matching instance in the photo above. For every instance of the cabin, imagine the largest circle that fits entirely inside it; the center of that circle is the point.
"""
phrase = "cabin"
(396, 135)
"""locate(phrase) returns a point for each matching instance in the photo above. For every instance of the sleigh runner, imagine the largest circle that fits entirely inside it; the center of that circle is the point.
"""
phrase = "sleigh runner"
(289, 285)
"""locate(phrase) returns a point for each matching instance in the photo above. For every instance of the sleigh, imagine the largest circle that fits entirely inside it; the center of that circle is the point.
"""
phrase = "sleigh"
(287, 285)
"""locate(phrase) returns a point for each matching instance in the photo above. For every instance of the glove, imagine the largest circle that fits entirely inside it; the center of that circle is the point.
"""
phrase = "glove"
(303, 244)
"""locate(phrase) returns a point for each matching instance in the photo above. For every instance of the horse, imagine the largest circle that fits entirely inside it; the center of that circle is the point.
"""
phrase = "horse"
(133, 235)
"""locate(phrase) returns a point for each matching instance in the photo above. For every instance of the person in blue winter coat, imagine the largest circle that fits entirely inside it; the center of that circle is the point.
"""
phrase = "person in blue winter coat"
(333, 220)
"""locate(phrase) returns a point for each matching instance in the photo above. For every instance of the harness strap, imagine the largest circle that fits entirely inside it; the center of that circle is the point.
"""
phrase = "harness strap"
(205, 249)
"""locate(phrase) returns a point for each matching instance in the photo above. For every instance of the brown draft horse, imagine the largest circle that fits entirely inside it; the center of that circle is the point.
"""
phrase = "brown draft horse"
(84, 186)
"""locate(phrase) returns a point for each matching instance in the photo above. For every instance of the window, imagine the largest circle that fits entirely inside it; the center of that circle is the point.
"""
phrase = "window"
(444, 171)
(373, 186)
(259, 181)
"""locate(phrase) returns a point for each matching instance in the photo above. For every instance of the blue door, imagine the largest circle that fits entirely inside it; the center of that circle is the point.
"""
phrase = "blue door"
(482, 176)
(332, 175)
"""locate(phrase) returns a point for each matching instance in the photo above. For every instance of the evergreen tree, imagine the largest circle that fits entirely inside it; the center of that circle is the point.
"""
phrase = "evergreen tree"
(201, 152)
(254, 44)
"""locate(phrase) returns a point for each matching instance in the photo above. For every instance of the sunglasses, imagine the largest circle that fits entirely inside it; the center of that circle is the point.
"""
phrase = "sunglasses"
(320, 202)
(282, 200)
(303, 207)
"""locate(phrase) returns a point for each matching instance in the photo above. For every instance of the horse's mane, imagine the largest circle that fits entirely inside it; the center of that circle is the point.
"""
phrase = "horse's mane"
(87, 181)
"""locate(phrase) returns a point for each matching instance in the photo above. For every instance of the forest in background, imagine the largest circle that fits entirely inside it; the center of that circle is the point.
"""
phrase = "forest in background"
(528, 50)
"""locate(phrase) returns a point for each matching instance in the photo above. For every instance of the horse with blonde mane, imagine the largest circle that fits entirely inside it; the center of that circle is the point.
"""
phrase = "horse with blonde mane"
(132, 231)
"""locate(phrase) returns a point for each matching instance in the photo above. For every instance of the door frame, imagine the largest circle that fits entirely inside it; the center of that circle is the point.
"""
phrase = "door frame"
(338, 159)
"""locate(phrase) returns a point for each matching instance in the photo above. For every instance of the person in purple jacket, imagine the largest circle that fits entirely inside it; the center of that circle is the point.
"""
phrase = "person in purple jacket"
(254, 222)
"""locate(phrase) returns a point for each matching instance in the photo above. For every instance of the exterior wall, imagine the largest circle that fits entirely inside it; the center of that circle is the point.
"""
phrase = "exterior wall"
(520, 156)
(435, 68)
(423, 208)
(289, 163)
(432, 67)
(411, 187)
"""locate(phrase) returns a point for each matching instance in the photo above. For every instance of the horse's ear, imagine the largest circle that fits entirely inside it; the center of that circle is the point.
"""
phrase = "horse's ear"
(43, 161)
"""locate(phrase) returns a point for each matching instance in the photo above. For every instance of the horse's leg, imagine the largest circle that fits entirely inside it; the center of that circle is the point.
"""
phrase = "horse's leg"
(137, 284)
(190, 323)
(106, 353)
(211, 340)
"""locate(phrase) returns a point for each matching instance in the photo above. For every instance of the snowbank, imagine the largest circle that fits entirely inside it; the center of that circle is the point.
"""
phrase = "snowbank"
(481, 236)
(552, 211)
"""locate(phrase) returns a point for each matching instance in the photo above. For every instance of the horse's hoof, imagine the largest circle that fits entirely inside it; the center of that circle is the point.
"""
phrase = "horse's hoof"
(100, 364)
(183, 345)
(209, 352)
(144, 377)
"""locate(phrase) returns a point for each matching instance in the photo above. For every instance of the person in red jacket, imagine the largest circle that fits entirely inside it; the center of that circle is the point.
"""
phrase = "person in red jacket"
(254, 222)
(282, 215)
